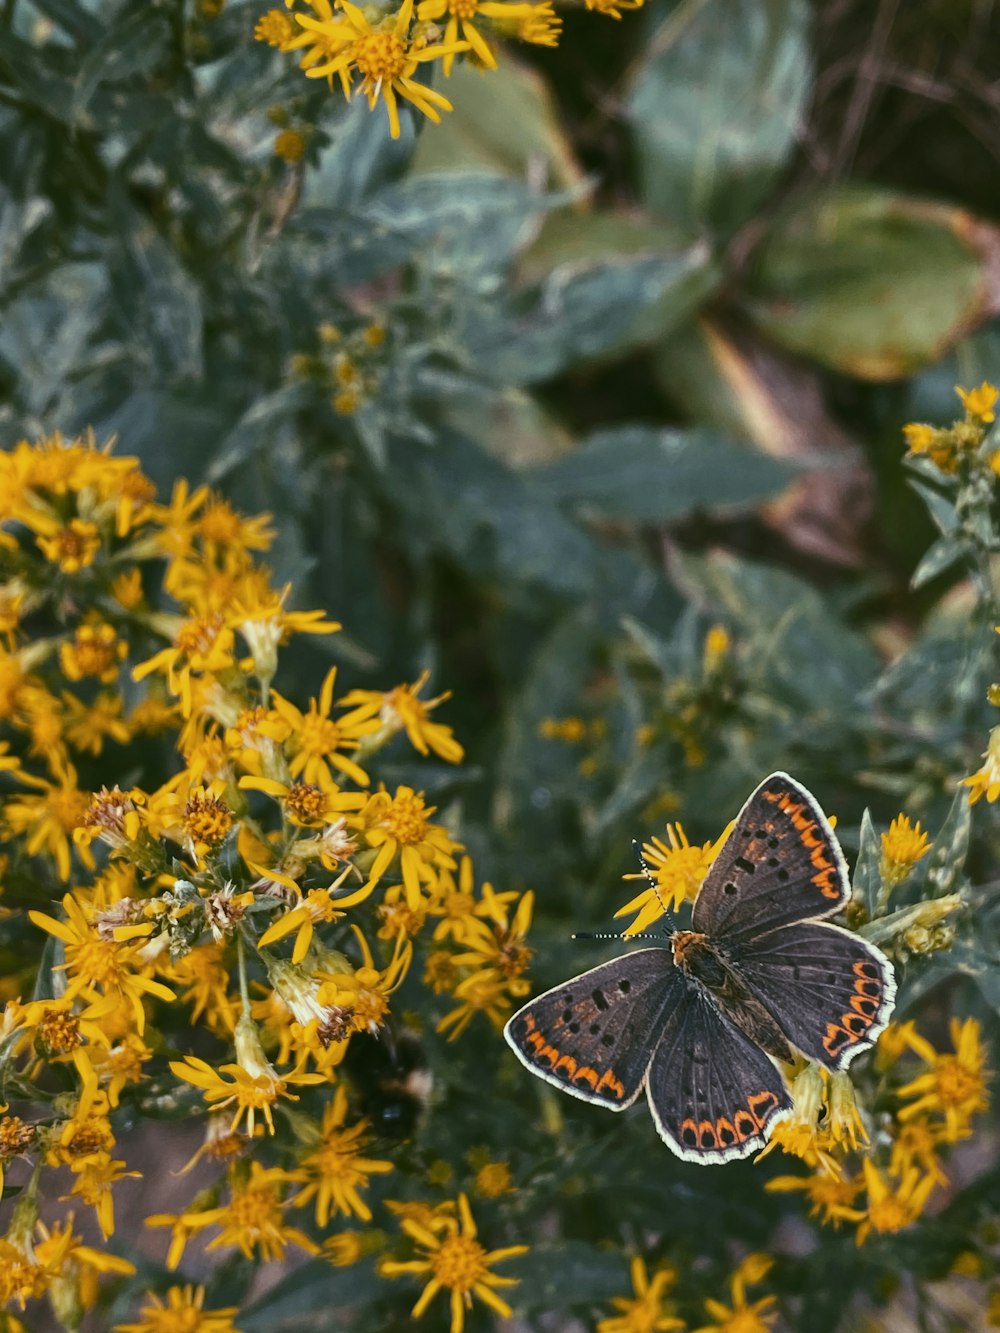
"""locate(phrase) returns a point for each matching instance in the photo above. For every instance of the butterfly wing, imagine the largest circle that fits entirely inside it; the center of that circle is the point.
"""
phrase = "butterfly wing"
(594, 1035)
(830, 991)
(713, 1094)
(781, 863)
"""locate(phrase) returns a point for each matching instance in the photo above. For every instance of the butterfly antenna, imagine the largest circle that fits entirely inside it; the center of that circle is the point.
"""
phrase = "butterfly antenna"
(653, 884)
(618, 935)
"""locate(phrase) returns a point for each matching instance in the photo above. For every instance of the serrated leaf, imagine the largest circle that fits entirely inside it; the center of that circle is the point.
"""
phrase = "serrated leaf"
(867, 881)
(717, 105)
(651, 476)
(871, 283)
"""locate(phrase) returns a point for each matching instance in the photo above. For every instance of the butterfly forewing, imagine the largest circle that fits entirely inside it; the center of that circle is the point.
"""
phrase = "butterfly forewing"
(830, 991)
(713, 1094)
(781, 863)
(594, 1035)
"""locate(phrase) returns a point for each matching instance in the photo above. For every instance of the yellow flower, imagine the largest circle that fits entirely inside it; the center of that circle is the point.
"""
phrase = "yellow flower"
(253, 1083)
(363, 994)
(889, 1209)
(803, 1133)
(95, 650)
(182, 1312)
(318, 905)
(86, 725)
(742, 1316)
(955, 1084)
(613, 8)
(986, 780)
(915, 1144)
(493, 1179)
(335, 1171)
(203, 645)
(317, 741)
(902, 848)
(252, 1220)
(96, 1173)
(16, 1137)
(461, 14)
(456, 903)
(258, 612)
(644, 1313)
(679, 871)
(400, 709)
(385, 57)
(573, 730)
(290, 146)
(830, 1197)
(456, 1262)
(72, 547)
(275, 27)
(399, 825)
(306, 805)
(47, 821)
(979, 403)
(95, 964)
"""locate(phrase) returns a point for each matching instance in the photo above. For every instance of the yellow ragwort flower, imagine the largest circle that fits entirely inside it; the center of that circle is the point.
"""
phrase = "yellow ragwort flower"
(986, 780)
(456, 1262)
(644, 1312)
(401, 709)
(902, 847)
(96, 965)
(743, 1316)
(385, 56)
(183, 1311)
(47, 821)
(400, 826)
(335, 1170)
(979, 403)
(461, 15)
(891, 1209)
(955, 1084)
(831, 1197)
(678, 870)
(317, 742)
(253, 1084)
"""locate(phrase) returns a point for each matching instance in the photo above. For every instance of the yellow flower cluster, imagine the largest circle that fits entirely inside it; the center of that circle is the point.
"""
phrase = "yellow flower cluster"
(954, 448)
(650, 1310)
(930, 1110)
(267, 893)
(381, 52)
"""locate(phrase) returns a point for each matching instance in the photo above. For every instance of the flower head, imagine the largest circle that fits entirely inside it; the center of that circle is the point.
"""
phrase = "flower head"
(644, 1312)
(677, 870)
(183, 1311)
(336, 1169)
(456, 1262)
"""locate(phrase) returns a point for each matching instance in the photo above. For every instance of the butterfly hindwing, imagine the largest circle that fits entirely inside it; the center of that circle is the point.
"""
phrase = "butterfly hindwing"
(781, 863)
(593, 1036)
(830, 991)
(713, 1094)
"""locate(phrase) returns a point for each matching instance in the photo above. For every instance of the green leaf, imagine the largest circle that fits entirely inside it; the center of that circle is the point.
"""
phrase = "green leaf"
(130, 47)
(504, 120)
(867, 880)
(315, 1288)
(716, 107)
(582, 312)
(871, 283)
(946, 859)
(944, 553)
(652, 476)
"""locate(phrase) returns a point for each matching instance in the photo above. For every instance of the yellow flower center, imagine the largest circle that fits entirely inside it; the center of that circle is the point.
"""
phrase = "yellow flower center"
(207, 819)
(459, 1263)
(96, 651)
(380, 56)
(92, 1136)
(253, 1208)
(956, 1085)
(68, 807)
(493, 1179)
(319, 735)
(59, 1031)
(20, 1280)
(407, 818)
(306, 803)
(220, 523)
(97, 960)
(336, 1157)
(745, 1321)
(198, 635)
(513, 958)
(889, 1214)
(72, 547)
(463, 9)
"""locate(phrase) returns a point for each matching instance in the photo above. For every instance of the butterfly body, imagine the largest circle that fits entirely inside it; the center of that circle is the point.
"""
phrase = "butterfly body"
(759, 976)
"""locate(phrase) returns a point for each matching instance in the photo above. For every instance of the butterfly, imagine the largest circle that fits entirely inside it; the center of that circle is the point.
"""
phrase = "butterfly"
(760, 976)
